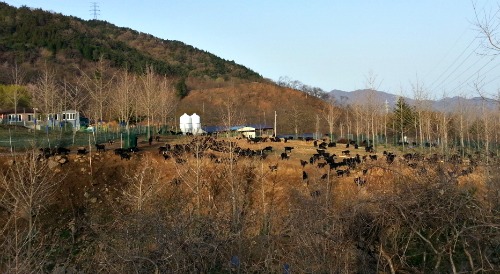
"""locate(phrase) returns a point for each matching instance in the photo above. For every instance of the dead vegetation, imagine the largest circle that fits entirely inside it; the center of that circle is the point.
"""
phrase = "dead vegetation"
(154, 214)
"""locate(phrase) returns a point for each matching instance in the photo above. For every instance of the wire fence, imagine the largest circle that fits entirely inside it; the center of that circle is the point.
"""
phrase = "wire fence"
(21, 139)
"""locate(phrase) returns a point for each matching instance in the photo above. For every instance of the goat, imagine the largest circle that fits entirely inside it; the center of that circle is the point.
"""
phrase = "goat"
(133, 149)
(288, 149)
(369, 149)
(273, 167)
(321, 165)
(163, 149)
(267, 149)
(305, 176)
(62, 150)
(166, 156)
(342, 172)
(119, 151)
(359, 181)
(284, 156)
(346, 152)
(303, 163)
(81, 151)
(125, 155)
(390, 158)
(100, 147)
(324, 176)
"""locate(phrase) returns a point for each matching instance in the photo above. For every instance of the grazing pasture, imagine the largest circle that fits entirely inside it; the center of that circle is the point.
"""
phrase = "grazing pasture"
(222, 198)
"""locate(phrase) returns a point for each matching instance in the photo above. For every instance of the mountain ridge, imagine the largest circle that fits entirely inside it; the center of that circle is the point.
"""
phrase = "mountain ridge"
(32, 37)
(381, 97)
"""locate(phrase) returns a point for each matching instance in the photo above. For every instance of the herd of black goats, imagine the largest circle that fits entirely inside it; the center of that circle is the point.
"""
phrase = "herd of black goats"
(199, 147)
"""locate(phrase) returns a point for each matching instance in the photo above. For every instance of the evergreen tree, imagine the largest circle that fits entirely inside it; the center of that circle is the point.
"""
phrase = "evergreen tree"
(181, 89)
(403, 118)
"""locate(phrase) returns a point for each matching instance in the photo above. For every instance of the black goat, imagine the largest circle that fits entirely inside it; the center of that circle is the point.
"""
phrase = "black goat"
(342, 172)
(303, 163)
(321, 165)
(305, 176)
(267, 149)
(288, 149)
(274, 167)
(119, 151)
(62, 150)
(166, 156)
(284, 156)
(125, 155)
(100, 147)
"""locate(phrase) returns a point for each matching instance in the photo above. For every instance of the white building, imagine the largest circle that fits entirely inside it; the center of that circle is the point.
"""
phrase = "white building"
(71, 117)
(190, 124)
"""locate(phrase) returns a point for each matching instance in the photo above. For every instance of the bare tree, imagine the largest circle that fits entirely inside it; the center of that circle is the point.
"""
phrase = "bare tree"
(27, 188)
(487, 25)
(18, 76)
(46, 94)
(150, 96)
(331, 113)
(420, 97)
(98, 85)
(167, 101)
(125, 94)
(372, 105)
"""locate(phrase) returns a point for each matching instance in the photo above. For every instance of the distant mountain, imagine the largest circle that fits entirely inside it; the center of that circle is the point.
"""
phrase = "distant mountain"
(363, 96)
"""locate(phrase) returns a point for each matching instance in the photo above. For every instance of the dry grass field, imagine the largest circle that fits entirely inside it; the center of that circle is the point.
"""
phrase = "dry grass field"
(212, 214)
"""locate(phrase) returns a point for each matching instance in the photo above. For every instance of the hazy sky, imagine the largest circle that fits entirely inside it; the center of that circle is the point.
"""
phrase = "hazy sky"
(330, 44)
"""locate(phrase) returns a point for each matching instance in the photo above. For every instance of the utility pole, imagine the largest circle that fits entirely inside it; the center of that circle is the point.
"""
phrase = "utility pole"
(275, 134)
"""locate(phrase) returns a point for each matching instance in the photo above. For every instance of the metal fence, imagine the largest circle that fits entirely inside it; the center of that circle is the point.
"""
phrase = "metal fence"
(21, 139)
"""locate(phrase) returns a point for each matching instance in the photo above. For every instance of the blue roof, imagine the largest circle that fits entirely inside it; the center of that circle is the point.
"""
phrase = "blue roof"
(212, 129)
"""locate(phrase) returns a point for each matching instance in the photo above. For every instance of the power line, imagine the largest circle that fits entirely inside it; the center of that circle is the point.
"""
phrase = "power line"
(457, 67)
(451, 65)
(477, 72)
(94, 9)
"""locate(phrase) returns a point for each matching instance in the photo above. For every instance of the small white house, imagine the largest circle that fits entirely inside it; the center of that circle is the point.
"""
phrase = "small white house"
(71, 117)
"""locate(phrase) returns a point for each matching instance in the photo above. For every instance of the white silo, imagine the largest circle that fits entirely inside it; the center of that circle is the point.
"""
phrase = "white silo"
(196, 123)
(185, 124)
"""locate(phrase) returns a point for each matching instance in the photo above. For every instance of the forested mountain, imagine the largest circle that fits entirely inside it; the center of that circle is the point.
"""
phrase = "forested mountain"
(33, 37)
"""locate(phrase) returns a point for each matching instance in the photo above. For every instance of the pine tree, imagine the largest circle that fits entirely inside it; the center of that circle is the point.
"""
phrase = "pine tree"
(403, 118)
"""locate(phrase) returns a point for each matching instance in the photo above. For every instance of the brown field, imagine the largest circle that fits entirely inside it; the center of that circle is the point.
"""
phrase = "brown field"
(109, 214)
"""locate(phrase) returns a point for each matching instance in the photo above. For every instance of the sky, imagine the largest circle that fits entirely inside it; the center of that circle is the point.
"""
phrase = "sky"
(331, 44)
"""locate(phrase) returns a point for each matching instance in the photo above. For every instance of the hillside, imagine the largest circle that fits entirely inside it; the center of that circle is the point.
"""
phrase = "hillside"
(33, 37)
(255, 103)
